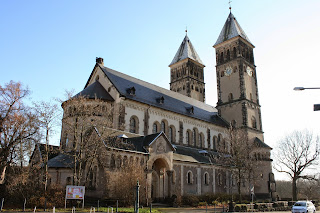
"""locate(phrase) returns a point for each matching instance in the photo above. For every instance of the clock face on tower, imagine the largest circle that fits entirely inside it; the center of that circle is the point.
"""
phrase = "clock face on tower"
(249, 71)
(228, 71)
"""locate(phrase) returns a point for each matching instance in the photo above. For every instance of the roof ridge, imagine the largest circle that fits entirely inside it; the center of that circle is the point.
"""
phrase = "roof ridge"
(164, 91)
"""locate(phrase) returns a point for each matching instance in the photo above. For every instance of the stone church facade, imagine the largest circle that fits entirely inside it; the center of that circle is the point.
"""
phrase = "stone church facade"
(176, 136)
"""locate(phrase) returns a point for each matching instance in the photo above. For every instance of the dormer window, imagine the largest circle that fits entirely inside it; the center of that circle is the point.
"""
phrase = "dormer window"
(191, 110)
(132, 91)
(161, 100)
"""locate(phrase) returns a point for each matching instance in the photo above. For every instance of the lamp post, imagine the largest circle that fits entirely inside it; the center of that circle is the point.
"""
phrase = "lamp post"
(316, 107)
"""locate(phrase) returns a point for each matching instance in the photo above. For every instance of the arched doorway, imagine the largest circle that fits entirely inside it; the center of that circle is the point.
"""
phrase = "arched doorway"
(160, 180)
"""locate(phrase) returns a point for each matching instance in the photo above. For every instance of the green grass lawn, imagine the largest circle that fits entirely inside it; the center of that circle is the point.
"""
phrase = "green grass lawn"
(101, 209)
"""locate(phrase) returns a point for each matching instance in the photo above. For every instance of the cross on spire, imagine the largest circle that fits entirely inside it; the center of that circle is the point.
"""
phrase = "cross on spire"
(186, 31)
(230, 5)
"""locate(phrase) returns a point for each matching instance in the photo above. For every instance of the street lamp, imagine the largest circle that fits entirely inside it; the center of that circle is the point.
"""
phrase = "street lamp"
(316, 107)
(303, 88)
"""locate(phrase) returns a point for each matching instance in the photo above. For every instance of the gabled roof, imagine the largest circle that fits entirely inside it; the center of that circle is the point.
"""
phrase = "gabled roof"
(172, 101)
(61, 161)
(40, 149)
(230, 30)
(186, 50)
(95, 90)
(144, 141)
(260, 143)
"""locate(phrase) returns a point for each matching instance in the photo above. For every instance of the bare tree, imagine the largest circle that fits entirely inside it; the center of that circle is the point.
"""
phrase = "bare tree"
(296, 153)
(131, 171)
(85, 123)
(47, 113)
(18, 126)
(238, 153)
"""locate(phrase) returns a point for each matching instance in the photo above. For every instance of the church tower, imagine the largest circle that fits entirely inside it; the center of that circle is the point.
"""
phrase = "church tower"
(187, 72)
(238, 99)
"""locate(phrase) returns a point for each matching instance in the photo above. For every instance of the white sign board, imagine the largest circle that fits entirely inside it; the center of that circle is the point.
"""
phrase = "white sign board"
(75, 192)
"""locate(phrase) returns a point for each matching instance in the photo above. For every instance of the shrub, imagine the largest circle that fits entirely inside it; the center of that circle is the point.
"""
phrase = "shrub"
(190, 200)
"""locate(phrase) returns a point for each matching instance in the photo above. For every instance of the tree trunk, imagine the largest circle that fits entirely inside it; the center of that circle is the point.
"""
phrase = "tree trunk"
(294, 189)
(239, 186)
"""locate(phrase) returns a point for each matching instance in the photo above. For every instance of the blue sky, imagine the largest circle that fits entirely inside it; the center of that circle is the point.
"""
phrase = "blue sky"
(50, 46)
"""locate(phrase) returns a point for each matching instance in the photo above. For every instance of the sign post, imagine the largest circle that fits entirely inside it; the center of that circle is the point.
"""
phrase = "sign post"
(74, 193)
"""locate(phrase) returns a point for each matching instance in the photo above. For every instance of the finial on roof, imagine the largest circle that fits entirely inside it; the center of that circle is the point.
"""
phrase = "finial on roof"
(186, 31)
(230, 5)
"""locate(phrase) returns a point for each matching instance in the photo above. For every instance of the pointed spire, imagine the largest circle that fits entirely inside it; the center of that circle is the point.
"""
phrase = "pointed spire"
(186, 50)
(230, 30)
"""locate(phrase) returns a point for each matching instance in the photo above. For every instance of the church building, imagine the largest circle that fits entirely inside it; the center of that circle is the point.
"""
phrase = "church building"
(174, 134)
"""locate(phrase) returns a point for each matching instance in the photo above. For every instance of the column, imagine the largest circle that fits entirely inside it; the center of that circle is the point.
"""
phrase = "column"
(213, 181)
(169, 173)
(181, 180)
(149, 182)
(199, 181)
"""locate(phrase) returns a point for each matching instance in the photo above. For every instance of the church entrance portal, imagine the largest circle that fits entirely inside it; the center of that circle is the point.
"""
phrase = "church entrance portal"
(160, 180)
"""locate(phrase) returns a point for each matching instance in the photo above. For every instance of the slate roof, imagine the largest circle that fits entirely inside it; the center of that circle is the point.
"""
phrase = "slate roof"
(95, 90)
(230, 30)
(191, 154)
(40, 148)
(61, 161)
(186, 50)
(151, 94)
(260, 143)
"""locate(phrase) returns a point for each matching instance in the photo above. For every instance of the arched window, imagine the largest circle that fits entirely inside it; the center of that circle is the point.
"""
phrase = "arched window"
(188, 137)
(206, 178)
(234, 52)
(189, 177)
(228, 55)
(219, 142)
(221, 58)
(219, 179)
(194, 137)
(163, 126)
(251, 99)
(253, 122)
(133, 124)
(230, 97)
(154, 128)
(201, 140)
(214, 147)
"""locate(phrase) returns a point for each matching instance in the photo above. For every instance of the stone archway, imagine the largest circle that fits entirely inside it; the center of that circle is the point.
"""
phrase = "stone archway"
(160, 180)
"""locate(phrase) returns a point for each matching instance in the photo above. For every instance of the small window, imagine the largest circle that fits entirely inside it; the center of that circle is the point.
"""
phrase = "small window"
(189, 177)
(228, 55)
(188, 138)
(230, 97)
(219, 179)
(253, 122)
(206, 178)
(163, 126)
(234, 52)
(154, 128)
(133, 125)
(170, 134)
